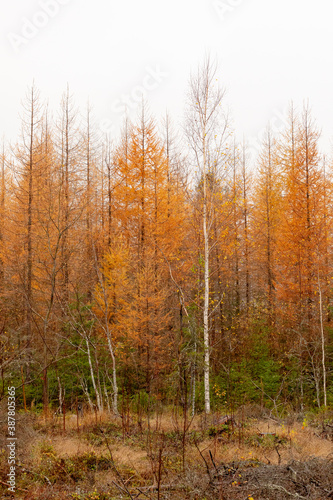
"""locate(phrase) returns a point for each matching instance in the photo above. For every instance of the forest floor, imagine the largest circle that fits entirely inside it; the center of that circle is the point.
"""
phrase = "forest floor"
(98, 457)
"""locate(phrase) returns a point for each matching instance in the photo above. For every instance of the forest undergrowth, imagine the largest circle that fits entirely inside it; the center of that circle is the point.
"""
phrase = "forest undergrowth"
(248, 455)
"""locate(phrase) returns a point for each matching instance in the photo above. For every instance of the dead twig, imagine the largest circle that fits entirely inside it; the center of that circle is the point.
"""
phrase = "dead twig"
(9, 485)
(281, 488)
(205, 461)
(211, 457)
(125, 489)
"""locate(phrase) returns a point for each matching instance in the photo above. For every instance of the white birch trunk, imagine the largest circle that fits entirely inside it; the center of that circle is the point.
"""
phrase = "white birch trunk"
(206, 299)
(98, 395)
(207, 130)
(114, 375)
(323, 361)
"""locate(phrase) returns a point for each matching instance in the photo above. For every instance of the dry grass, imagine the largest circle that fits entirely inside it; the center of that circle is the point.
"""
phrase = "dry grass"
(123, 455)
(299, 442)
(135, 450)
(67, 446)
(89, 419)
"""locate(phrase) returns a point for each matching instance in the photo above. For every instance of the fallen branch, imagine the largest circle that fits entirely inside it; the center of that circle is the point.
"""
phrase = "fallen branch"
(119, 487)
(281, 488)
(142, 493)
(9, 485)
(170, 487)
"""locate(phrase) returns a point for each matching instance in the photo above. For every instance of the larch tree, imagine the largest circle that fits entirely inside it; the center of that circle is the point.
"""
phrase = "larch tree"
(69, 148)
(178, 249)
(302, 212)
(302, 242)
(246, 179)
(113, 306)
(236, 190)
(146, 213)
(26, 174)
(90, 205)
(267, 199)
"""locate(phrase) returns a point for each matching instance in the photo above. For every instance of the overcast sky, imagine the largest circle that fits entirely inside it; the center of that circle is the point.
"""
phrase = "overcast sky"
(269, 53)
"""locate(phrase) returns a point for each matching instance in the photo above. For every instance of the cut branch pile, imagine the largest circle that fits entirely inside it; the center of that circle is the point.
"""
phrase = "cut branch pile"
(302, 480)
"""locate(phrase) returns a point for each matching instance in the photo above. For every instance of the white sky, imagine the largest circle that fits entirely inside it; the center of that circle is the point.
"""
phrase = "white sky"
(269, 52)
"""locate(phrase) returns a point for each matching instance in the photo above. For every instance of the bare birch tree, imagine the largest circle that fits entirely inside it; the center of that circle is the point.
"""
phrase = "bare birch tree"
(206, 129)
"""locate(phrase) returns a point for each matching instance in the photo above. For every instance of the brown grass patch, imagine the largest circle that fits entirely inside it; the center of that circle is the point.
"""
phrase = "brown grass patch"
(279, 445)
